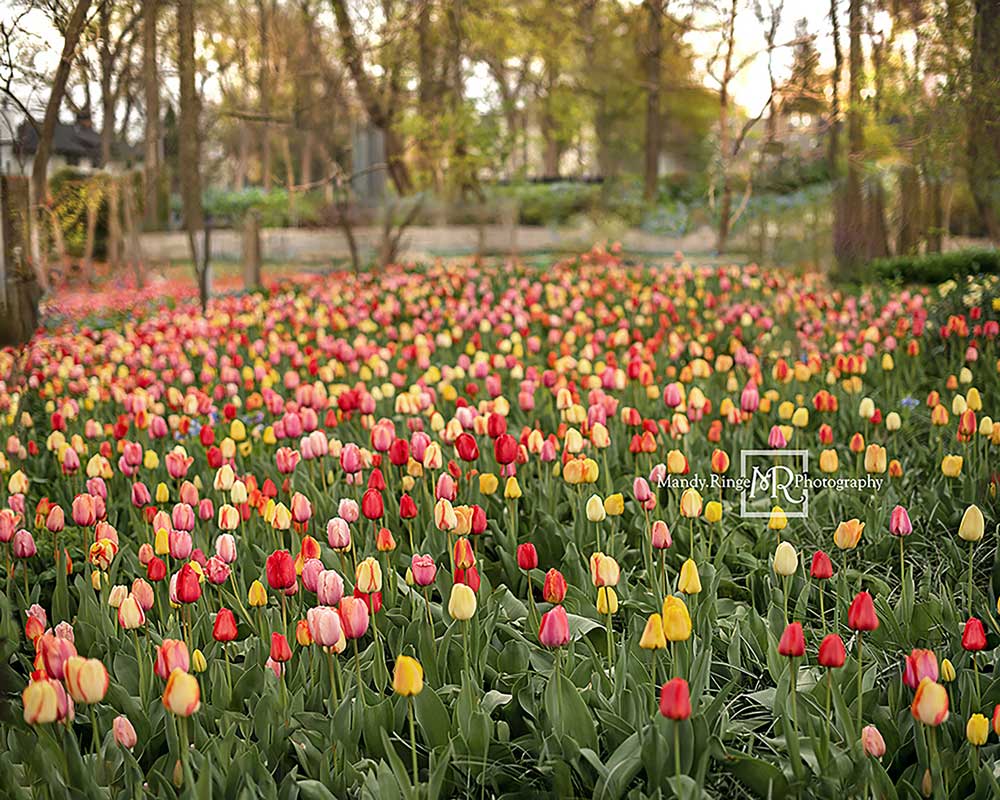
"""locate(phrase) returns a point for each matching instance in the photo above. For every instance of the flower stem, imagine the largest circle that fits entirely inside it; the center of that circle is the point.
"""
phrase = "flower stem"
(413, 741)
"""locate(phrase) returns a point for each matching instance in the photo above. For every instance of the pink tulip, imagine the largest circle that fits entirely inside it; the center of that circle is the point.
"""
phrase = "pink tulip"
(899, 522)
(424, 570)
(329, 587)
(324, 625)
(554, 630)
(354, 617)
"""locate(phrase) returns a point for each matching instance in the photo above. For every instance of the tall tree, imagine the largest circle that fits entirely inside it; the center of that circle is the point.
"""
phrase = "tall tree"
(265, 10)
(190, 145)
(849, 224)
(654, 119)
(40, 166)
(379, 100)
(833, 151)
(984, 115)
(151, 90)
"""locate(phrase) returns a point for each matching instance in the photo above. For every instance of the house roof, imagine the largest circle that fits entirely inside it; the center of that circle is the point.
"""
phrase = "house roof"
(68, 140)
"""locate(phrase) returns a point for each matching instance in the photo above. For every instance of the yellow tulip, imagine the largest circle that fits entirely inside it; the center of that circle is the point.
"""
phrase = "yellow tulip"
(972, 526)
(676, 620)
(652, 636)
(689, 581)
(408, 677)
(607, 600)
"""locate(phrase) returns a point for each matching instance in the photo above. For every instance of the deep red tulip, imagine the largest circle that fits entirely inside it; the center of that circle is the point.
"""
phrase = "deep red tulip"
(505, 448)
(467, 447)
(188, 585)
(407, 508)
(280, 569)
(156, 570)
(399, 452)
(861, 615)
(478, 520)
(371, 504)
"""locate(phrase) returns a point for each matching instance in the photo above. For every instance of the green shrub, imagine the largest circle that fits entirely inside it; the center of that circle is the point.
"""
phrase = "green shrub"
(937, 267)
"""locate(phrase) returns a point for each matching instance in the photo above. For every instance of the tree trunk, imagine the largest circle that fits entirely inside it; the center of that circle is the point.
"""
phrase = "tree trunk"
(833, 153)
(114, 253)
(849, 238)
(39, 169)
(726, 198)
(984, 115)
(910, 215)
(654, 122)
(190, 146)
(935, 215)
(107, 60)
(264, 87)
(151, 87)
(379, 115)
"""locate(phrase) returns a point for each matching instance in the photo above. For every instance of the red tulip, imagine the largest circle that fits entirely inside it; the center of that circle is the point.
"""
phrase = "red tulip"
(478, 520)
(371, 504)
(280, 651)
(224, 629)
(399, 452)
(527, 556)
(554, 629)
(831, 652)
(156, 570)
(188, 585)
(861, 615)
(407, 508)
(505, 448)
(793, 642)
(675, 699)
(280, 569)
(467, 447)
(973, 637)
(821, 568)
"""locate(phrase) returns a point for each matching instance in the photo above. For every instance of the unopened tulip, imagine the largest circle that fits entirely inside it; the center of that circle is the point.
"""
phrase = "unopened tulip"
(872, 741)
(354, 617)
(324, 625)
(652, 635)
(676, 620)
(660, 535)
(407, 677)
(257, 595)
(675, 699)
(786, 560)
(792, 643)
(689, 581)
(280, 651)
(973, 635)
(831, 652)
(604, 570)
(920, 664)
(554, 587)
(43, 700)
(224, 627)
(124, 732)
(861, 614)
(899, 522)
(171, 654)
(972, 525)
(86, 679)
(554, 628)
(368, 576)
(977, 729)
(462, 603)
(821, 567)
(930, 703)
(182, 695)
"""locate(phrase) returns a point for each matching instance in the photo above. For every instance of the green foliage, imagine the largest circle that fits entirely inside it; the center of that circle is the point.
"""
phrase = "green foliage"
(937, 267)
(275, 208)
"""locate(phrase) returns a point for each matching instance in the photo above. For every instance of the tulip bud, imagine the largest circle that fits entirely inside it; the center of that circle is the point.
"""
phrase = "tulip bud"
(676, 620)
(792, 643)
(652, 635)
(972, 525)
(554, 628)
(675, 699)
(124, 732)
(947, 671)
(182, 695)
(786, 560)
(407, 677)
(257, 595)
(872, 741)
(462, 603)
(689, 581)
(607, 600)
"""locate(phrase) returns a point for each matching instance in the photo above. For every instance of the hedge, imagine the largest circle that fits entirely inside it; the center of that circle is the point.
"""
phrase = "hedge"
(936, 267)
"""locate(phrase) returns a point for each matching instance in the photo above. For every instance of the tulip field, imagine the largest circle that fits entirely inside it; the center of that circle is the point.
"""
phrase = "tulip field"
(479, 530)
